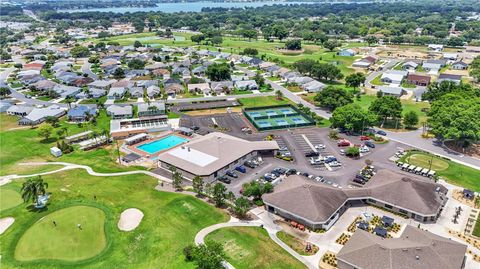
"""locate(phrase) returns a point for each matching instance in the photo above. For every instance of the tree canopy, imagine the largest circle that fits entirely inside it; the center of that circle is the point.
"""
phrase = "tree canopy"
(352, 117)
(332, 97)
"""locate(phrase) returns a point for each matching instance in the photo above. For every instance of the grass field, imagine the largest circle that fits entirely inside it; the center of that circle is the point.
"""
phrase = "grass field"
(9, 198)
(377, 81)
(24, 145)
(65, 241)
(263, 101)
(452, 172)
(296, 244)
(252, 248)
(476, 229)
(170, 223)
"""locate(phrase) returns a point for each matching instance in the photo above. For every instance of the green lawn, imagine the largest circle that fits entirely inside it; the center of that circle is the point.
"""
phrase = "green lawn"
(377, 81)
(24, 145)
(101, 100)
(65, 241)
(296, 244)
(252, 248)
(170, 223)
(263, 101)
(407, 85)
(476, 229)
(452, 172)
(9, 198)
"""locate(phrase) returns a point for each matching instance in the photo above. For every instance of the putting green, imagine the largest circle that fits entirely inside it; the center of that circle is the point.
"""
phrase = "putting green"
(424, 161)
(9, 198)
(65, 241)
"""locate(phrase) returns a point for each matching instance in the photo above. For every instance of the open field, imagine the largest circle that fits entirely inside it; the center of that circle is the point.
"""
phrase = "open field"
(203, 112)
(476, 229)
(9, 198)
(24, 145)
(263, 101)
(452, 172)
(296, 244)
(170, 223)
(252, 248)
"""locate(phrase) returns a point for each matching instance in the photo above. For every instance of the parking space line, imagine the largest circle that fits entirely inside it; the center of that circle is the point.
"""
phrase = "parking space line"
(308, 143)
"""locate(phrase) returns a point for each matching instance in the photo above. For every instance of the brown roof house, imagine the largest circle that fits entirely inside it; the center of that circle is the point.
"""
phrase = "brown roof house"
(319, 206)
(419, 80)
(415, 249)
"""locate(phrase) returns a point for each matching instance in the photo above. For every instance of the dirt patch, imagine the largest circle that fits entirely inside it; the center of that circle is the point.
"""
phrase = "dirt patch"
(5, 223)
(130, 219)
(472, 151)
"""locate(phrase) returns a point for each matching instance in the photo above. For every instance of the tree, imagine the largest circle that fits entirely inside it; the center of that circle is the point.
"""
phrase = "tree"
(250, 51)
(4, 91)
(216, 40)
(304, 66)
(136, 64)
(332, 97)
(218, 72)
(259, 79)
(250, 33)
(355, 80)
(240, 206)
(206, 256)
(324, 71)
(139, 25)
(294, 44)
(79, 51)
(352, 152)
(197, 184)
(137, 44)
(197, 38)
(387, 107)
(32, 188)
(456, 117)
(371, 40)
(279, 94)
(256, 190)
(53, 121)
(279, 31)
(219, 194)
(410, 119)
(352, 117)
(331, 44)
(118, 73)
(177, 180)
(436, 90)
(45, 131)
(94, 59)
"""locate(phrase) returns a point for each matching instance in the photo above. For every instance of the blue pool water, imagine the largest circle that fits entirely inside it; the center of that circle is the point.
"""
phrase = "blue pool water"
(162, 144)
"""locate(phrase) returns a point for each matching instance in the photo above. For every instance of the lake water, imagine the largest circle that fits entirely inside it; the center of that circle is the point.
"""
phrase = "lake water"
(185, 7)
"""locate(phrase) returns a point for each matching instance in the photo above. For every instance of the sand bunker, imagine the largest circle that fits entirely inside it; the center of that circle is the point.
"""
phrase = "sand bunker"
(130, 219)
(5, 223)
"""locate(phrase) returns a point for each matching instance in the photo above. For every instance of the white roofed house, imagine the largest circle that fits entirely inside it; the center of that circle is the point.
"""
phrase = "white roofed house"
(67, 91)
(101, 84)
(246, 85)
(435, 47)
(39, 115)
(459, 65)
(392, 91)
(300, 80)
(347, 52)
(136, 92)
(120, 112)
(116, 93)
(19, 110)
(313, 86)
(152, 109)
(449, 77)
(221, 86)
(199, 88)
(90, 93)
(409, 65)
(394, 76)
(153, 91)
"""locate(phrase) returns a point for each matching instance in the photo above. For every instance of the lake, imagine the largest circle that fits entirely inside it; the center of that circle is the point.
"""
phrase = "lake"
(185, 7)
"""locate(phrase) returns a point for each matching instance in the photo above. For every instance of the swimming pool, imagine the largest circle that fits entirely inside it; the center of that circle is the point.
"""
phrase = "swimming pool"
(162, 144)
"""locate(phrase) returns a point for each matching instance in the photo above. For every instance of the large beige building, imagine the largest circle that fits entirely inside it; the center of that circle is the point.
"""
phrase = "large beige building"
(212, 155)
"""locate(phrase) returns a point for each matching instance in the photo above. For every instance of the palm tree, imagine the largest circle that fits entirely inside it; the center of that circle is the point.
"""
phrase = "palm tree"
(32, 188)
(69, 101)
(279, 95)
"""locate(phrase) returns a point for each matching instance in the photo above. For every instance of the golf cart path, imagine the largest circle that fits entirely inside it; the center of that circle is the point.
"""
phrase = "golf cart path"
(272, 232)
(69, 166)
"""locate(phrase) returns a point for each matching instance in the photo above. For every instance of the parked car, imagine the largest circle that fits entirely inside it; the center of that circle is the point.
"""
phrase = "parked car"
(319, 179)
(364, 149)
(269, 176)
(369, 144)
(342, 152)
(343, 143)
(380, 132)
(311, 154)
(291, 172)
(249, 164)
(225, 180)
(320, 146)
(241, 169)
(335, 164)
(330, 159)
(364, 138)
(231, 174)
(305, 174)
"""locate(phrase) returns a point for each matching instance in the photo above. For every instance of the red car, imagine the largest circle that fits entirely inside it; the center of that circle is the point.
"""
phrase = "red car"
(364, 138)
(343, 143)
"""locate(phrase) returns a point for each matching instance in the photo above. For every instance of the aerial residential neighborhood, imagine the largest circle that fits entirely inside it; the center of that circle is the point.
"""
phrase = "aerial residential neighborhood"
(240, 134)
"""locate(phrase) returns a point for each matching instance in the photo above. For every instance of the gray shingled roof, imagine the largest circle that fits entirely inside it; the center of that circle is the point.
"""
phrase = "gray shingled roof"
(414, 249)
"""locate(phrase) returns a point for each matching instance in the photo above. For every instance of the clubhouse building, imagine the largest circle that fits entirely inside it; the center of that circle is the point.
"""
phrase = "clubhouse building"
(319, 206)
(212, 155)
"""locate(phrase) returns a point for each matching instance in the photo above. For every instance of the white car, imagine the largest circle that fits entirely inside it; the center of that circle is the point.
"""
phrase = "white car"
(335, 164)
(320, 146)
(364, 149)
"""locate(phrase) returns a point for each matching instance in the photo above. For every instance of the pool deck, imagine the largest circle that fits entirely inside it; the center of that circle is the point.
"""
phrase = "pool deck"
(133, 148)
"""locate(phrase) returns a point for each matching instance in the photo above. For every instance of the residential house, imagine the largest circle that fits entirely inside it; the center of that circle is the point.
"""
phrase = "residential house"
(255, 62)
(39, 115)
(391, 91)
(181, 70)
(409, 65)
(221, 86)
(435, 47)
(449, 77)
(152, 109)
(120, 112)
(433, 66)
(91, 93)
(4, 106)
(199, 88)
(146, 83)
(313, 86)
(347, 52)
(153, 91)
(81, 113)
(393, 76)
(67, 77)
(136, 92)
(273, 70)
(246, 85)
(459, 65)
(418, 80)
(44, 85)
(450, 56)
(199, 70)
(116, 93)
(161, 72)
(33, 66)
(82, 81)
(66, 91)
(101, 84)
(300, 80)
(19, 110)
